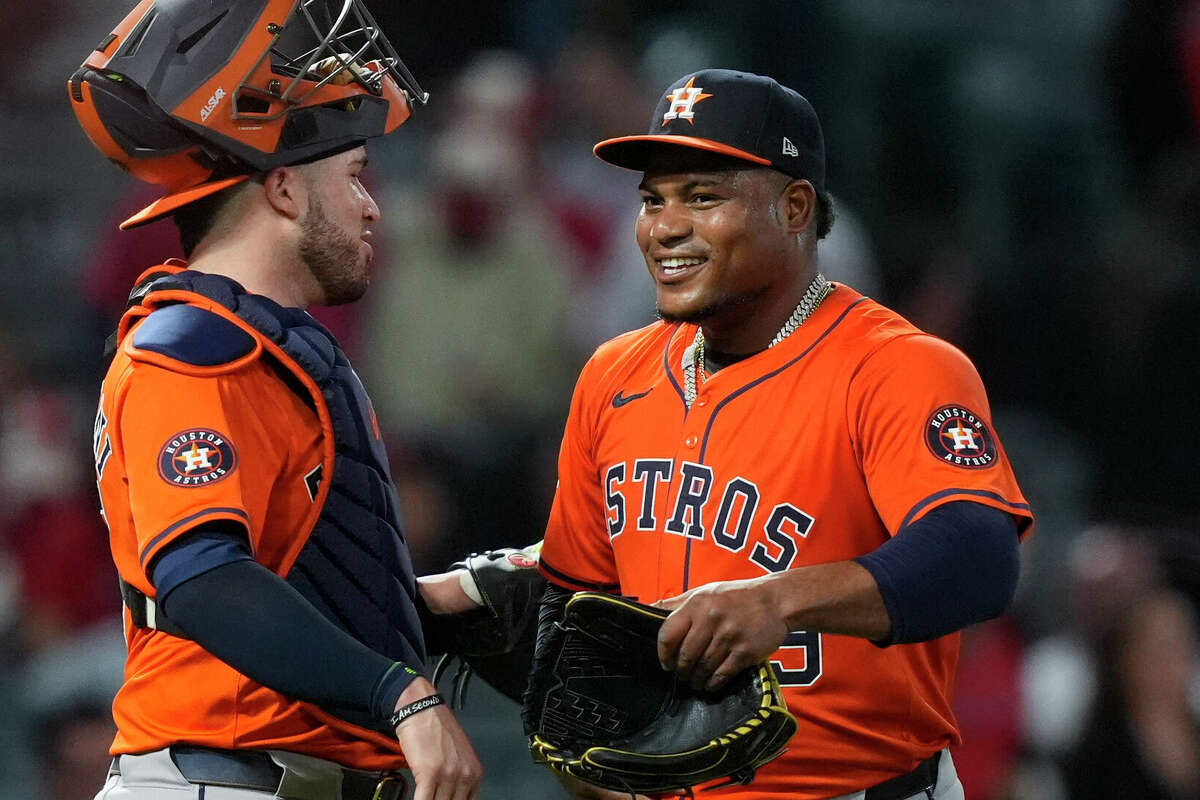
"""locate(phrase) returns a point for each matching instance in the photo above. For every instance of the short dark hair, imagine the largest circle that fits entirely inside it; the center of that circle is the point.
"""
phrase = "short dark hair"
(825, 215)
(196, 219)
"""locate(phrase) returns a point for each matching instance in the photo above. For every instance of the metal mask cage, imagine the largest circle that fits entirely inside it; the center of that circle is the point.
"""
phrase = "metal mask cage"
(348, 44)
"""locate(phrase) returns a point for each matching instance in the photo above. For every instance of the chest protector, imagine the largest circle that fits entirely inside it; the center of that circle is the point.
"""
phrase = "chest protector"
(354, 565)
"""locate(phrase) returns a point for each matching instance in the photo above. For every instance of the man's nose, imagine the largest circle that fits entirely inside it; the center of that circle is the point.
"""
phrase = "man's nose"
(370, 208)
(670, 224)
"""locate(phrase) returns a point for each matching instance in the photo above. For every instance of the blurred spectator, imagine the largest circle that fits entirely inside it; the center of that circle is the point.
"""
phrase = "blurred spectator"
(1133, 329)
(987, 706)
(121, 256)
(50, 523)
(430, 489)
(1109, 702)
(1107, 570)
(58, 593)
(1143, 737)
(72, 750)
(1153, 80)
(595, 93)
(1139, 338)
(847, 255)
(468, 351)
(943, 294)
(64, 695)
(468, 321)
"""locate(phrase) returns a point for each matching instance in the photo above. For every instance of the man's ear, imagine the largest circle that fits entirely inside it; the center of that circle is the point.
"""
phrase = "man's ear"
(286, 192)
(799, 205)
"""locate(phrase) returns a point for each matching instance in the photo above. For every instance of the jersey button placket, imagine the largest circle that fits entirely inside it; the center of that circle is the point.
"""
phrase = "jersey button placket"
(696, 421)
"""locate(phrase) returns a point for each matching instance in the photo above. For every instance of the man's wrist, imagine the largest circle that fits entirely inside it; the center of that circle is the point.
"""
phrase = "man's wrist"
(835, 597)
(444, 593)
(420, 687)
(404, 712)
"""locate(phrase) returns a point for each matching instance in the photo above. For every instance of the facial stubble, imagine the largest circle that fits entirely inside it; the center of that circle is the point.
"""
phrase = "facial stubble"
(332, 256)
(714, 309)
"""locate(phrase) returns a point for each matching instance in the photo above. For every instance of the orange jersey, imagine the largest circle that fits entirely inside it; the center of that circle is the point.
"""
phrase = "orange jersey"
(177, 446)
(813, 451)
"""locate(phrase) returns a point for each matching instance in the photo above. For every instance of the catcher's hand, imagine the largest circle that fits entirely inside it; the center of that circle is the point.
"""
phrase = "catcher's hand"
(601, 708)
(495, 640)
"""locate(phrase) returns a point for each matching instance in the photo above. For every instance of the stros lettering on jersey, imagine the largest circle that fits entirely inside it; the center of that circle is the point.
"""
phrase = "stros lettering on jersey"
(813, 451)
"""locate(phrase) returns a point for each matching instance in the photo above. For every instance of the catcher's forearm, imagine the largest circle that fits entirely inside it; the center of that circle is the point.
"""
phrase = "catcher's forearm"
(483, 611)
(485, 604)
(251, 619)
(444, 594)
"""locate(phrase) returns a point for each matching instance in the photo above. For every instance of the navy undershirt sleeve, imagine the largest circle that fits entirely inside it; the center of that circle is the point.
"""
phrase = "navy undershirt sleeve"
(956, 566)
(197, 552)
(251, 619)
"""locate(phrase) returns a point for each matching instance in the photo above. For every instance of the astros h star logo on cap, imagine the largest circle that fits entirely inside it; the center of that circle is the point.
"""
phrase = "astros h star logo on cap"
(682, 100)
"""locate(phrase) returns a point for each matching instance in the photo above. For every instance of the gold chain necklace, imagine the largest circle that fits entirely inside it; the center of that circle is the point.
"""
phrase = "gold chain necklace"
(694, 374)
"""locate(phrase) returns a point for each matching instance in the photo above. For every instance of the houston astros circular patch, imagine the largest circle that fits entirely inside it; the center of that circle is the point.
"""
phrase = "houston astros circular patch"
(196, 457)
(958, 436)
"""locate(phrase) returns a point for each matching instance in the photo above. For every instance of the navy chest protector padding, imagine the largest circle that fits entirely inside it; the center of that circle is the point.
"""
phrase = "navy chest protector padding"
(193, 336)
(355, 567)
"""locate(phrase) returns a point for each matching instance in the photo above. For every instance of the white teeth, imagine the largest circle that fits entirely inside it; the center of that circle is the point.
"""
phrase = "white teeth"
(676, 264)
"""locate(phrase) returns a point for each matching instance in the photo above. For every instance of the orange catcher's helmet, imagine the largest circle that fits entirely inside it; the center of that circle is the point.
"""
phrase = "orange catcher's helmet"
(196, 95)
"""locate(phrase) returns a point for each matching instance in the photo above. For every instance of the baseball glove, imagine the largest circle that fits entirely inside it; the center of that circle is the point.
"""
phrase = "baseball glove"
(608, 714)
(496, 640)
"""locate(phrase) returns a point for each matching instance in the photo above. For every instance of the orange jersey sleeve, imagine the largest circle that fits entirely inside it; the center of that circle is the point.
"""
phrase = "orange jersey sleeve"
(922, 426)
(191, 453)
(576, 552)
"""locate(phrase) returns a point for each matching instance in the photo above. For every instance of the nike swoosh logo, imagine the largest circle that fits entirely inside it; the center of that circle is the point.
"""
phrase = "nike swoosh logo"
(619, 399)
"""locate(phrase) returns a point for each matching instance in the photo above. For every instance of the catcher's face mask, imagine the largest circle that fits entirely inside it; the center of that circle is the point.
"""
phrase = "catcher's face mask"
(196, 94)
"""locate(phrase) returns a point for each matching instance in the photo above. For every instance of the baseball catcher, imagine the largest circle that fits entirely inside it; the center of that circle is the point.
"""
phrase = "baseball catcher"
(274, 645)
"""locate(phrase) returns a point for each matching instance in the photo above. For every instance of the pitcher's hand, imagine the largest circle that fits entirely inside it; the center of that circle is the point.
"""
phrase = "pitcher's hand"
(717, 630)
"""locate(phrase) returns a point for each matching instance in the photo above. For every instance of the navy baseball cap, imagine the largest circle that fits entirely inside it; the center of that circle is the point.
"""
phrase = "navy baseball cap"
(738, 114)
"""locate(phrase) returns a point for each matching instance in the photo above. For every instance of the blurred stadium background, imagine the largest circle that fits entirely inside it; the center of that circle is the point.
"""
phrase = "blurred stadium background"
(1021, 178)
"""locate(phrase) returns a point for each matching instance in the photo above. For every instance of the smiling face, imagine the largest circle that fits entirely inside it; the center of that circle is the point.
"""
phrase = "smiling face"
(720, 241)
(336, 229)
